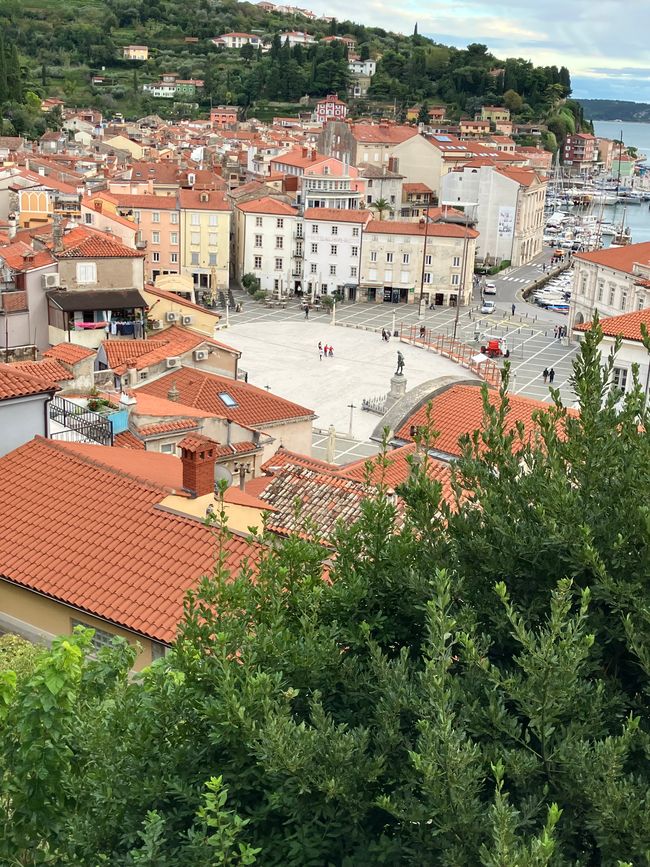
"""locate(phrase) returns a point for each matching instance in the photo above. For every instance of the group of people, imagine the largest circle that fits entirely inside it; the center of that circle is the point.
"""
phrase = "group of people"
(560, 331)
(385, 335)
(548, 375)
(325, 350)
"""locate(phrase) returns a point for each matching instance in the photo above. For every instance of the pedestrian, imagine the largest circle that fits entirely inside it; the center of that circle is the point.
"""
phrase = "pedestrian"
(544, 267)
(513, 309)
(331, 352)
(423, 331)
(306, 311)
(325, 349)
(320, 354)
(555, 333)
(551, 376)
(320, 346)
(545, 374)
(383, 334)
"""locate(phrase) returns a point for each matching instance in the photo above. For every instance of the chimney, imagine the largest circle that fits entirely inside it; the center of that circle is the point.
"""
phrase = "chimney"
(198, 457)
(57, 234)
(12, 226)
(173, 393)
(305, 152)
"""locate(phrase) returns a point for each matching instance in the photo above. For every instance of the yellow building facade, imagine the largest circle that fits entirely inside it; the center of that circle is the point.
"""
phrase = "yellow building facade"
(205, 238)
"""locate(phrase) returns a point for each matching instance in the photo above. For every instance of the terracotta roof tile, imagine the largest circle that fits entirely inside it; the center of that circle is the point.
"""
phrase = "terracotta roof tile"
(619, 258)
(163, 427)
(171, 342)
(338, 215)
(17, 383)
(19, 256)
(48, 370)
(114, 553)
(95, 245)
(381, 133)
(435, 230)
(399, 468)
(70, 353)
(127, 440)
(194, 200)
(197, 388)
(627, 326)
(267, 205)
(146, 202)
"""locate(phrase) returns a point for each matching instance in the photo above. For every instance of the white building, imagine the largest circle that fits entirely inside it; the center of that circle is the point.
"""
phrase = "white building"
(266, 232)
(237, 40)
(632, 351)
(330, 108)
(297, 37)
(383, 182)
(332, 251)
(403, 262)
(506, 204)
(363, 67)
(611, 282)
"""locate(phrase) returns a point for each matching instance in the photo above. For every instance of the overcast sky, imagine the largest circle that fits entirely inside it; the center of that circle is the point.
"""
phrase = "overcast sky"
(603, 42)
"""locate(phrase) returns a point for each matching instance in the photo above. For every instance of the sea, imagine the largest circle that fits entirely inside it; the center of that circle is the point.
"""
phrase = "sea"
(637, 217)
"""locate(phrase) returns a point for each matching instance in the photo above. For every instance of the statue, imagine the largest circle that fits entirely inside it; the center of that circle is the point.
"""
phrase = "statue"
(400, 364)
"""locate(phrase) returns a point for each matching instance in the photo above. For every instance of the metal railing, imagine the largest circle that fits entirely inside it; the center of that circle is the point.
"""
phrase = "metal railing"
(455, 350)
(79, 423)
(375, 404)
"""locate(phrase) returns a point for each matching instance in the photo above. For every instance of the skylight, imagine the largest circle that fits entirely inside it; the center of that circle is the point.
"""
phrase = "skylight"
(228, 399)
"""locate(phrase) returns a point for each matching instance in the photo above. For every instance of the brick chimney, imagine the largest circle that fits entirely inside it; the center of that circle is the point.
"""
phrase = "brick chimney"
(198, 456)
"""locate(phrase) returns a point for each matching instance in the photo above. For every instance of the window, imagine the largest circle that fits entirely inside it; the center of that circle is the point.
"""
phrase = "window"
(355, 251)
(100, 639)
(173, 217)
(278, 264)
(313, 268)
(155, 256)
(456, 262)
(332, 270)
(299, 230)
(88, 218)
(619, 378)
(228, 399)
(279, 242)
(212, 258)
(279, 223)
(258, 240)
(258, 222)
(86, 272)
(168, 448)
(355, 231)
(276, 285)
(455, 279)
(195, 238)
(212, 219)
(195, 259)
(389, 257)
(406, 258)
(195, 219)
(314, 248)
(314, 229)
(173, 258)
(257, 262)
(335, 230)
(212, 239)
(353, 271)
(373, 256)
(623, 299)
(155, 216)
(173, 238)
(136, 215)
(612, 292)
(333, 249)
(427, 259)
(144, 374)
(427, 277)
(158, 650)
(155, 237)
(601, 288)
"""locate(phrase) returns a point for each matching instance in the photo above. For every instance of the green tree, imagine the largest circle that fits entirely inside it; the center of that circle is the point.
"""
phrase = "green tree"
(423, 114)
(381, 207)
(512, 101)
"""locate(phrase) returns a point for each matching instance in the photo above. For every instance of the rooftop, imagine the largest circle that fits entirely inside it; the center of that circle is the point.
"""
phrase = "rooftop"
(627, 326)
(619, 258)
(19, 383)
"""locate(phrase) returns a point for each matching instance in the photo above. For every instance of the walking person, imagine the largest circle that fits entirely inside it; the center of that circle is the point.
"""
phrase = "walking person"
(306, 311)
(320, 346)
(551, 376)
(513, 309)
(325, 349)
(331, 352)
(545, 374)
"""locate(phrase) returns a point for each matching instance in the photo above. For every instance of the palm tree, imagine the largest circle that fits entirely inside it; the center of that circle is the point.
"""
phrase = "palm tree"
(381, 206)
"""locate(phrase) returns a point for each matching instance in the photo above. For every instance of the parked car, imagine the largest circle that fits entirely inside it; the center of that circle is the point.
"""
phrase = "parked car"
(488, 307)
(489, 288)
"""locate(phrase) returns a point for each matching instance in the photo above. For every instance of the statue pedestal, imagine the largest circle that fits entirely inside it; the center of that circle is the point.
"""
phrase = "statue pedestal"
(397, 389)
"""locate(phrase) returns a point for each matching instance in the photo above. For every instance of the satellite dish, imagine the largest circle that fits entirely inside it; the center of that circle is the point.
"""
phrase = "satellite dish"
(222, 474)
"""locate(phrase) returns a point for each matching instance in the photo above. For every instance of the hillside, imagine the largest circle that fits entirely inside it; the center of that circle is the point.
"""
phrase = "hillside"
(62, 47)
(615, 109)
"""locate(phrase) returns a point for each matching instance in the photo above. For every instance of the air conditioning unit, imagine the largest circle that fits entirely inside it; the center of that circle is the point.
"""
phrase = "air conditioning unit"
(200, 354)
(173, 362)
(170, 316)
(51, 281)
(156, 324)
(186, 320)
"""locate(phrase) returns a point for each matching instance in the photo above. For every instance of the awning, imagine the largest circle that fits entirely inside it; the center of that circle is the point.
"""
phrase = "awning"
(96, 299)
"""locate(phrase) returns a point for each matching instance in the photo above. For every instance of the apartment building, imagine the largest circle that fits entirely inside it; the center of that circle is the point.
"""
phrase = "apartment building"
(266, 233)
(205, 238)
(237, 40)
(406, 262)
(158, 219)
(331, 251)
(330, 108)
(580, 153)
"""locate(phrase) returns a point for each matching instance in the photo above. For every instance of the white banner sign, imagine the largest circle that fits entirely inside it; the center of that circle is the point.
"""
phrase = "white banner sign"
(506, 222)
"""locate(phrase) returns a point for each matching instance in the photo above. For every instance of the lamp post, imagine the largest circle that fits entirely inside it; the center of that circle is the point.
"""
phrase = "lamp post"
(461, 288)
(424, 257)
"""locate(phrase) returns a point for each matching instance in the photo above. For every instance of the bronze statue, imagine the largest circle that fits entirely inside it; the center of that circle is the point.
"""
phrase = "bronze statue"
(400, 364)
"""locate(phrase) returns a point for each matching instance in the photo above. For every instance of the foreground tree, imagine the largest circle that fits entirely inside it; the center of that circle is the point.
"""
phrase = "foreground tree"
(468, 686)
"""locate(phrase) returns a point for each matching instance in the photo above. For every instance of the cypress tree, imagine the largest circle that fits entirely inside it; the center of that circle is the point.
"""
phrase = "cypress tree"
(4, 95)
(14, 77)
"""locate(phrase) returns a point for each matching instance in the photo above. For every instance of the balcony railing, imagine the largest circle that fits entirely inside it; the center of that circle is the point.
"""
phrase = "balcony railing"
(79, 424)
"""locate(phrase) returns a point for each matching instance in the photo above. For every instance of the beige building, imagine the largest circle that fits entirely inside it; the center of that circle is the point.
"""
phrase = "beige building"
(135, 52)
(205, 238)
(266, 243)
(405, 262)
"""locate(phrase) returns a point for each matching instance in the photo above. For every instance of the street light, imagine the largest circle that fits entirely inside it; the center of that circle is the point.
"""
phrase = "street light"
(461, 289)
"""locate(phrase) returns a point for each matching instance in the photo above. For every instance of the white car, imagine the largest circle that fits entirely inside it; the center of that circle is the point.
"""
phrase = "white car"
(489, 288)
(488, 307)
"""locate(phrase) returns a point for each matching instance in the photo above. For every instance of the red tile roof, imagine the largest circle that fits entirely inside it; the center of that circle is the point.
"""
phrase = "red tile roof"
(127, 440)
(164, 427)
(398, 469)
(19, 256)
(69, 353)
(267, 205)
(194, 200)
(254, 407)
(337, 215)
(627, 326)
(48, 370)
(619, 258)
(17, 383)
(382, 133)
(82, 243)
(178, 299)
(103, 546)
(169, 343)
(241, 448)
(146, 202)
(434, 230)
(459, 410)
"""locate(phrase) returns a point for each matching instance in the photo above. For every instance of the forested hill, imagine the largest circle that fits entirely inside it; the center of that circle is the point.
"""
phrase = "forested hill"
(615, 109)
(62, 46)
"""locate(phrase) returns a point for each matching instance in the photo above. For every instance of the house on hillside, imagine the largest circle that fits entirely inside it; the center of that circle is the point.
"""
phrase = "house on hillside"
(135, 52)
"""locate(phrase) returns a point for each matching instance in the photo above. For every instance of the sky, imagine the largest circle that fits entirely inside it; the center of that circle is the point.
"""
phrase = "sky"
(602, 42)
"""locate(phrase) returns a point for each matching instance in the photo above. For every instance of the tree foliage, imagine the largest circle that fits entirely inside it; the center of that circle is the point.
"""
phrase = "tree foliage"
(468, 686)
